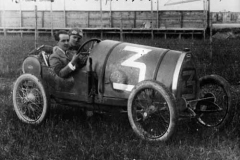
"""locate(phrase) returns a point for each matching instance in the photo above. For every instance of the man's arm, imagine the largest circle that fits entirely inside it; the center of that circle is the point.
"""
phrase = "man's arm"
(80, 61)
(59, 68)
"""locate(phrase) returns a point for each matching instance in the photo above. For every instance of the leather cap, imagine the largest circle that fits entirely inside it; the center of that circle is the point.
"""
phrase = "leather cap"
(76, 31)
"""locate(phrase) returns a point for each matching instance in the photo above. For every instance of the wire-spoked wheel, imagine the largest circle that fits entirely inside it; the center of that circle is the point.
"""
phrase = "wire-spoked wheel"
(219, 112)
(30, 99)
(151, 111)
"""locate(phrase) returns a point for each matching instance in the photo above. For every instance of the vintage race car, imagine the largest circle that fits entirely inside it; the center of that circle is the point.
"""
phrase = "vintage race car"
(156, 87)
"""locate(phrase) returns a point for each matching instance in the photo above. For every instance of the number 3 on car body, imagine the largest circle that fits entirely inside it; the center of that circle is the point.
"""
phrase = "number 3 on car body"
(131, 62)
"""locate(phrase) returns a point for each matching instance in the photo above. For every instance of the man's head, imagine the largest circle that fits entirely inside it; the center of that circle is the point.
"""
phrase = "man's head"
(63, 40)
(76, 35)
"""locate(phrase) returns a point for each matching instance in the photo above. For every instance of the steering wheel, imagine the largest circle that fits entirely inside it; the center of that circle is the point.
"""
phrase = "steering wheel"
(87, 46)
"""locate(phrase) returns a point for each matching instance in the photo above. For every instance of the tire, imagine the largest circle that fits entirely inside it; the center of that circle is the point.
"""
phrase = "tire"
(219, 88)
(148, 103)
(30, 99)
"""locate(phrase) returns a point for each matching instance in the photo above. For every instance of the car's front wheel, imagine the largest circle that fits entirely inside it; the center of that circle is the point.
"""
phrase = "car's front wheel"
(152, 111)
(30, 99)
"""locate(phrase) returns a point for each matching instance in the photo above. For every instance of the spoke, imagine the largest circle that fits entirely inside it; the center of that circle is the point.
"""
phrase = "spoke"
(166, 122)
(37, 113)
(140, 111)
(32, 112)
(148, 95)
(139, 115)
(139, 104)
(32, 102)
(23, 91)
(22, 98)
(163, 106)
(19, 96)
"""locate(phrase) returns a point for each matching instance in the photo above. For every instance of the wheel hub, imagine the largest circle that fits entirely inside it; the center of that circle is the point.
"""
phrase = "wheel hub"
(30, 97)
(151, 109)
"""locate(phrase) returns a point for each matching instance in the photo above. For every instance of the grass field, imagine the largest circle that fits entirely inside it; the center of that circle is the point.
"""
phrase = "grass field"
(69, 134)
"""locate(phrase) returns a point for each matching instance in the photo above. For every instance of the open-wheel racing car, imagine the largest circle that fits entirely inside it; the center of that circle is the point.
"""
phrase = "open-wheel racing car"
(154, 86)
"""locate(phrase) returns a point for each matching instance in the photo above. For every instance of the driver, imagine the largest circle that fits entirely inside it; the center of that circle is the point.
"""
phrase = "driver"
(63, 61)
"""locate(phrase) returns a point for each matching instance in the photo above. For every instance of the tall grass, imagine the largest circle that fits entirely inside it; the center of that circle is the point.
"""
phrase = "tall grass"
(13, 50)
(69, 134)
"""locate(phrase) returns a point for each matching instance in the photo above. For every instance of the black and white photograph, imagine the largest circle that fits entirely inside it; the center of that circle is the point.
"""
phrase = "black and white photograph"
(119, 79)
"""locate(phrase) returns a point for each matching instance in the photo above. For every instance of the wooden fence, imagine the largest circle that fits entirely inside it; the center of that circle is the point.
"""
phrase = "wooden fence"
(123, 22)
(113, 19)
(152, 22)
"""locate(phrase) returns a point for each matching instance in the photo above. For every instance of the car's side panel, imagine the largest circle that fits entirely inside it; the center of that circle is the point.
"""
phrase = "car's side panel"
(100, 55)
(166, 71)
(127, 65)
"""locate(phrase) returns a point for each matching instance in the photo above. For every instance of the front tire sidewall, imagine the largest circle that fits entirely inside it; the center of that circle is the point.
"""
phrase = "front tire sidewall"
(171, 106)
(43, 92)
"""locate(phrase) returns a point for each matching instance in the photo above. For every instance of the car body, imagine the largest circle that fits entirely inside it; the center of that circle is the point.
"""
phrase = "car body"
(146, 82)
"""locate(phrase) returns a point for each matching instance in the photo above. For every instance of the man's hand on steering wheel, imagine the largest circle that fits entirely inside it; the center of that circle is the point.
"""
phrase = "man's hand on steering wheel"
(74, 59)
(82, 50)
(82, 59)
(82, 54)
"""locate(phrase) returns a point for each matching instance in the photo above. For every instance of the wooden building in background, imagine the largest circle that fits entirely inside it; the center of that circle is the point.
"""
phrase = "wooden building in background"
(108, 16)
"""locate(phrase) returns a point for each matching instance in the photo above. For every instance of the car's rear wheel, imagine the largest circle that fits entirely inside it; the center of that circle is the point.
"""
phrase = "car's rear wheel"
(30, 99)
(217, 90)
(151, 111)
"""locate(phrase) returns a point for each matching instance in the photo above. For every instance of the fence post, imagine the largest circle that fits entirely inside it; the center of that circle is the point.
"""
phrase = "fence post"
(211, 50)
(3, 19)
(210, 28)
(36, 34)
(101, 19)
(204, 18)
(157, 13)
(208, 13)
(88, 12)
(20, 4)
(181, 19)
(110, 14)
(43, 26)
(51, 12)
(152, 35)
(135, 17)
(64, 13)
(121, 29)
